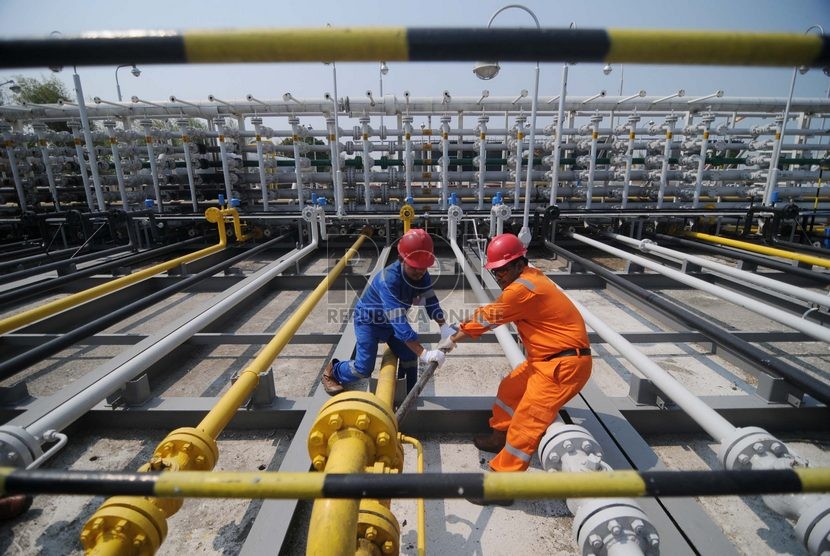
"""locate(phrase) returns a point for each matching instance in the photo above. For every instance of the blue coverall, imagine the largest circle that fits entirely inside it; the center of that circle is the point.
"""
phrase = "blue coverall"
(380, 316)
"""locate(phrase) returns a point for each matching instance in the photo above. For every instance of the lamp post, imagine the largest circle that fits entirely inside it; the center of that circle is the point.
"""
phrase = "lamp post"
(488, 70)
(135, 71)
(772, 175)
(383, 70)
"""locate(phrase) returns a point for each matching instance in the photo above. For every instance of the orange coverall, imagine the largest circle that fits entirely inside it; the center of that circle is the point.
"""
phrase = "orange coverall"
(530, 397)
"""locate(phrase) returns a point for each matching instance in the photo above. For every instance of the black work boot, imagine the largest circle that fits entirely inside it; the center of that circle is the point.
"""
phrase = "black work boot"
(492, 442)
(330, 384)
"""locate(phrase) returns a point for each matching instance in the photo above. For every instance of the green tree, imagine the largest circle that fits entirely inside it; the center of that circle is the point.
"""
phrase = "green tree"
(43, 91)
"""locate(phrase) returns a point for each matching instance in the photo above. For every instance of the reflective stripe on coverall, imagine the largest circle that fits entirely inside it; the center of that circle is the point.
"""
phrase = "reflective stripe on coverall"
(530, 397)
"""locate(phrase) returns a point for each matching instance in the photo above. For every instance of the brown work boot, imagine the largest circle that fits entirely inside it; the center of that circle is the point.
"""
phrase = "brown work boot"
(13, 506)
(330, 383)
(492, 442)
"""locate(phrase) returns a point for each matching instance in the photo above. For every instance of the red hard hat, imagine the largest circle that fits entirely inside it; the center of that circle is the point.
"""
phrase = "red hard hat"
(416, 249)
(503, 249)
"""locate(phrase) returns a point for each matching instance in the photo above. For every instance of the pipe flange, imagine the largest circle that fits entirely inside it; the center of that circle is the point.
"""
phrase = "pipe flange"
(309, 214)
(502, 211)
(363, 412)
(813, 526)
(18, 448)
(560, 440)
(736, 452)
(455, 213)
(185, 449)
(602, 523)
(407, 212)
(378, 525)
(138, 523)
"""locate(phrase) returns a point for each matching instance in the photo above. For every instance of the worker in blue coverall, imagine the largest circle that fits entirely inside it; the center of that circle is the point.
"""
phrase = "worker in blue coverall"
(380, 316)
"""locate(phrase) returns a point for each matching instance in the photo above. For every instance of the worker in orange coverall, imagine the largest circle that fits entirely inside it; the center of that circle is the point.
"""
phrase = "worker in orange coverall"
(558, 354)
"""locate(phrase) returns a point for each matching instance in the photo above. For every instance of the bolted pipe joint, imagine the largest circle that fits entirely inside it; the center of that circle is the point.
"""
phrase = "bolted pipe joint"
(570, 448)
(754, 448)
(18, 447)
(378, 528)
(605, 526)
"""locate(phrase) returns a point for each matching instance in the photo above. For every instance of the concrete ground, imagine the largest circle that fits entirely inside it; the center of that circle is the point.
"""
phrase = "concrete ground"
(53, 524)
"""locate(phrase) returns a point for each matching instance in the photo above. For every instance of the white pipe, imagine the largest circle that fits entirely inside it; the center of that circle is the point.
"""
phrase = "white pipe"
(295, 139)
(804, 294)
(772, 177)
(524, 234)
(629, 157)
(263, 183)
(18, 185)
(90, 146)
(148, 139)
(47, 164)
(520, 135)
(592, 165)
(155, 347)
(482, 159)
(338, 171)
(557, 150)
(367, 187)
(407, 141)
(116, 160)
(704, 144)
(223, 153)
(445, 160)
(664, 171)
(184, 124)
(79, 151)
(814, 330)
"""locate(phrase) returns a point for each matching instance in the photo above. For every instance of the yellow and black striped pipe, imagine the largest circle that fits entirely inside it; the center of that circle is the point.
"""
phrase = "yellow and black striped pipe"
(363, 44)
(490, 486)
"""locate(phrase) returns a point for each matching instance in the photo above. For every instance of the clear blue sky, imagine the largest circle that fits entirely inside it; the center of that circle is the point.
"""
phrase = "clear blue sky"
(232, 82)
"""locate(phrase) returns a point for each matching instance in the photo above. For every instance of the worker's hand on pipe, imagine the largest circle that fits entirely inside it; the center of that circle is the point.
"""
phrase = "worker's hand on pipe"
(446, 345)
(448, 330)
(433, 356)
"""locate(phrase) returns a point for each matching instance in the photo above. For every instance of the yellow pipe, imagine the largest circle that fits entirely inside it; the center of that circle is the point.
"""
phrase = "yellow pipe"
(387, 380)
(33, 315)
(222, 413)
(333, 526)
(237, 226)
(422, 519)
(809, 259)
(136, 519)
(407, 213)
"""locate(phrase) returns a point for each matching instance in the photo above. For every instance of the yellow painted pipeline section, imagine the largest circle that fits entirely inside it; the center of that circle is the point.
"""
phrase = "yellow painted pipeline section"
(808, 259)
(213, 215)
(138, 525)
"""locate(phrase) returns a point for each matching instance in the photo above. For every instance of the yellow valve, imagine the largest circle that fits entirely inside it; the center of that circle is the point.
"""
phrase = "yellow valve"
(407, 214)
(361, 413)
(378, 525)
(125, 525)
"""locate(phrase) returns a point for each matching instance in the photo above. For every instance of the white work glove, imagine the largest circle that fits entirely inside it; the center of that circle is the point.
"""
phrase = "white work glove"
(433, 355)
(446, 345)
(448, 330)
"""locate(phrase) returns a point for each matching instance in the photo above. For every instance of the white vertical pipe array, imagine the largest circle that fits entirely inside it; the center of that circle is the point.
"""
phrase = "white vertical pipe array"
(629, 157)
(524, 234)
(151, 155)
(40, 131)
(90, 146)
(263, 182)
(295, 139)
(79, 151)
(367, 187)
(701, 164)
(337, 171)
(116, 160)
(223, 152)
(812, 329)
(482, 158)
(18, 185)
(445, 160)
(520, 135)
(664, 171)
(557, 150)
(592, 164)
(407, 158)
(184, 128)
